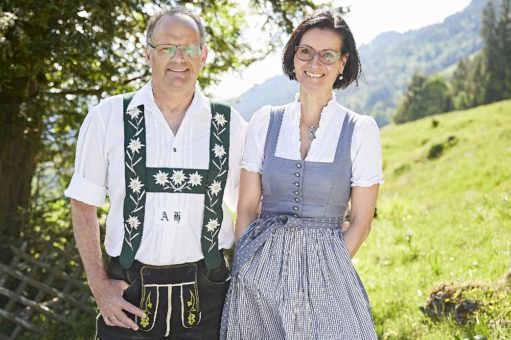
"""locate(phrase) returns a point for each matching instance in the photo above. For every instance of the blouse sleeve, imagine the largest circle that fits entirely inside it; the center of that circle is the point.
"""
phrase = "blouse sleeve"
(238, 128)
(253, 153)
(366, 154)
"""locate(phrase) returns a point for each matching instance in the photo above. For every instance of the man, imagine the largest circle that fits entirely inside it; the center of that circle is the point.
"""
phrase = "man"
(168, 159)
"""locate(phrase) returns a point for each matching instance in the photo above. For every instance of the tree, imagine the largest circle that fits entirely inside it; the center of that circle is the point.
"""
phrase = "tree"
(424, 97)
(460, 85)
(490, 54)
(58, 56)
(503, 32)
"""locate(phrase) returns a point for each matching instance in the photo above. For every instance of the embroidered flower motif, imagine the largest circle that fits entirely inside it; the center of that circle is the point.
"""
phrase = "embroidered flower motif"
(133, 222)
(219, 150)
(134, 112)
(135, 185)
(212, 224)
(178, 177)
(195, 179)
(191, 319)
(161, 177)
(220, 119)
(215, 187)
(135, 145)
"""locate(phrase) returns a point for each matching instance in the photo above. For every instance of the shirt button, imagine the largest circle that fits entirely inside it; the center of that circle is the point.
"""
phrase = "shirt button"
(297, 174)
(295, 215)
(295, 208)
(298, 165)
(297, 199)
(296, 192)
(174, 149)
(296, 183)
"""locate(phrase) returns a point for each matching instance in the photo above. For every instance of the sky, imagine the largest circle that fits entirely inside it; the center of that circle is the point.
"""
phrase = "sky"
(367, 19)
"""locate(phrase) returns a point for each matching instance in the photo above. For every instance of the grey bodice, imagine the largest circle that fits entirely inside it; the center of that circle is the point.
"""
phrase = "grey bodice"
(306, 189)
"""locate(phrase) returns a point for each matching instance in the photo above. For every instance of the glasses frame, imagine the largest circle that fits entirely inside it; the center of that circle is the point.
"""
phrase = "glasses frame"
(178, 47)
(318, 53)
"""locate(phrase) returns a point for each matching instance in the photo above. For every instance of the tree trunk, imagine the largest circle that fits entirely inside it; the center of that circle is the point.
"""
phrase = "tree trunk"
(20, 143)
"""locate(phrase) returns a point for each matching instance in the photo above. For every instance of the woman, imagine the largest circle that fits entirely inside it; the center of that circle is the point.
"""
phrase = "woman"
(292, 276)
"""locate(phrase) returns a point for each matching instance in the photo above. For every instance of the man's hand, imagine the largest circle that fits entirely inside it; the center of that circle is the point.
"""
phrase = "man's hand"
(107, 292)
(111, 304)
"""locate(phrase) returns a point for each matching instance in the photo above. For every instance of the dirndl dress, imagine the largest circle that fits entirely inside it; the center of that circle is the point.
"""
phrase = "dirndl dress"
(292, 276)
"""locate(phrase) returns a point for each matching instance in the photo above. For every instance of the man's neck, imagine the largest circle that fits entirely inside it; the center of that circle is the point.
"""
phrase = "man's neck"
(173, 104)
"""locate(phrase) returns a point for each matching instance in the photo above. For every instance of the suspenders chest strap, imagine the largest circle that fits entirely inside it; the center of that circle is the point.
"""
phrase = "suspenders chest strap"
(140, 179)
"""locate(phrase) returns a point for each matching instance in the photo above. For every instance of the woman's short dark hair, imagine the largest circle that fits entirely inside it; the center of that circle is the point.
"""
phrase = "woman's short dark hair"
(325, 20)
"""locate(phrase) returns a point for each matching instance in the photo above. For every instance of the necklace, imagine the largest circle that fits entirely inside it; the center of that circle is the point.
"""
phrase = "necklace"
(311, 132)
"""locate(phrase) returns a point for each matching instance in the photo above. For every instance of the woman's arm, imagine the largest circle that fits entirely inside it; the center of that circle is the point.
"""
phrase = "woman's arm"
(249, 200)
(363, 203)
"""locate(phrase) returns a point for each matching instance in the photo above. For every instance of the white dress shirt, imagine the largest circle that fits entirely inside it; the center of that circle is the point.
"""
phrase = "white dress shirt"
(99, 169)
(365, 150)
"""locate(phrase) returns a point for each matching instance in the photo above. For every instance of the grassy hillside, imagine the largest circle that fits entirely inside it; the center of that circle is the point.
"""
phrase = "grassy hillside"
(444, 215)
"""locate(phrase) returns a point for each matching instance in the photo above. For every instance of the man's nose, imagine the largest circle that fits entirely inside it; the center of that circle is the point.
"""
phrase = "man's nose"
(178, 55)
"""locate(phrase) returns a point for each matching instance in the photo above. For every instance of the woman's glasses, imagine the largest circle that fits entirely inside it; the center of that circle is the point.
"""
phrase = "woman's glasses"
(327, 57)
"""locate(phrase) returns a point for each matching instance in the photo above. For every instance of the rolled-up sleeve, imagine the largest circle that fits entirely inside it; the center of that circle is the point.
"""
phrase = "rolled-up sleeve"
(88, 183)
(253, 153)
(366, 153)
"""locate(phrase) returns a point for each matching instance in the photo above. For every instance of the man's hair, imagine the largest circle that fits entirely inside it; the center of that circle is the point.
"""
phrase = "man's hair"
(177, 10)
(325, 20)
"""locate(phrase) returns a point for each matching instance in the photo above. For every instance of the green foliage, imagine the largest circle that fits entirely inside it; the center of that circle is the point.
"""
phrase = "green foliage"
(424, 97)
(441, 221)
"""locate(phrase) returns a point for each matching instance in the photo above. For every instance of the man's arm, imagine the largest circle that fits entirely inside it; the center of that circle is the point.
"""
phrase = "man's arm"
(107, 292)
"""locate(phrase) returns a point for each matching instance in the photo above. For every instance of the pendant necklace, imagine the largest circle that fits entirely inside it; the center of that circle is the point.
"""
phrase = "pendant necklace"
(311, 132)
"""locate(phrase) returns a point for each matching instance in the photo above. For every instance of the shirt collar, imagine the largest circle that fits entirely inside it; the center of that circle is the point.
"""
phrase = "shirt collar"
(330, 110)
(331, 107)
(199, 104)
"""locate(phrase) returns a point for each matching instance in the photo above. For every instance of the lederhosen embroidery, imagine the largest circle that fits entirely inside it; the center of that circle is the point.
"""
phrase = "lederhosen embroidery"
(140, 179)
(157, 281)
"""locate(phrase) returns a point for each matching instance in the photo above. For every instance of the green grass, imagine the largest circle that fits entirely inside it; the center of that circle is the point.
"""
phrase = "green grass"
(444, 215)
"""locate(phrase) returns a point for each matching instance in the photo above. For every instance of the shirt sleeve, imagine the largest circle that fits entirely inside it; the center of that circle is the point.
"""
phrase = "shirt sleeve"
(253, 153)
(238, 128)
(88, 183)
(366, 154)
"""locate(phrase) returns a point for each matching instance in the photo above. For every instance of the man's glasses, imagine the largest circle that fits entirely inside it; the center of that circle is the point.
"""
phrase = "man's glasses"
(191, 51)
(327, 57)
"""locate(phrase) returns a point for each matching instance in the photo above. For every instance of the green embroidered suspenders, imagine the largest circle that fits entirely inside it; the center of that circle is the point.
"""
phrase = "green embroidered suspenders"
(140, 179)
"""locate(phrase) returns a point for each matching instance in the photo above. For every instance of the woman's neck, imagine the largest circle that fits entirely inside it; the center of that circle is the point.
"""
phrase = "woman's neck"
(311, 106)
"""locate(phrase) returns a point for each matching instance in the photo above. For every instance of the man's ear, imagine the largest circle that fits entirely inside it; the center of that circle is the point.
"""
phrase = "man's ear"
(147, 54)
(204, 56)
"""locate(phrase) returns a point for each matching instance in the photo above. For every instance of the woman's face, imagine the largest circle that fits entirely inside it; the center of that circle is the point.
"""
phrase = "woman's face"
(319, 73)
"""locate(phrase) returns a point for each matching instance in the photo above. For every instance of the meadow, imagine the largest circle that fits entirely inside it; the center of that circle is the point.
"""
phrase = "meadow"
(443, 225)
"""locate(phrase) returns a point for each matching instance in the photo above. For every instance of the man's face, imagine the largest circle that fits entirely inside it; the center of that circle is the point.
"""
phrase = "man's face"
(180, 71)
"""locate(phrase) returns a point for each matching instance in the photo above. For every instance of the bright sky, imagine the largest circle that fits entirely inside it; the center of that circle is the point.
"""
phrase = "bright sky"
(367, 19)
